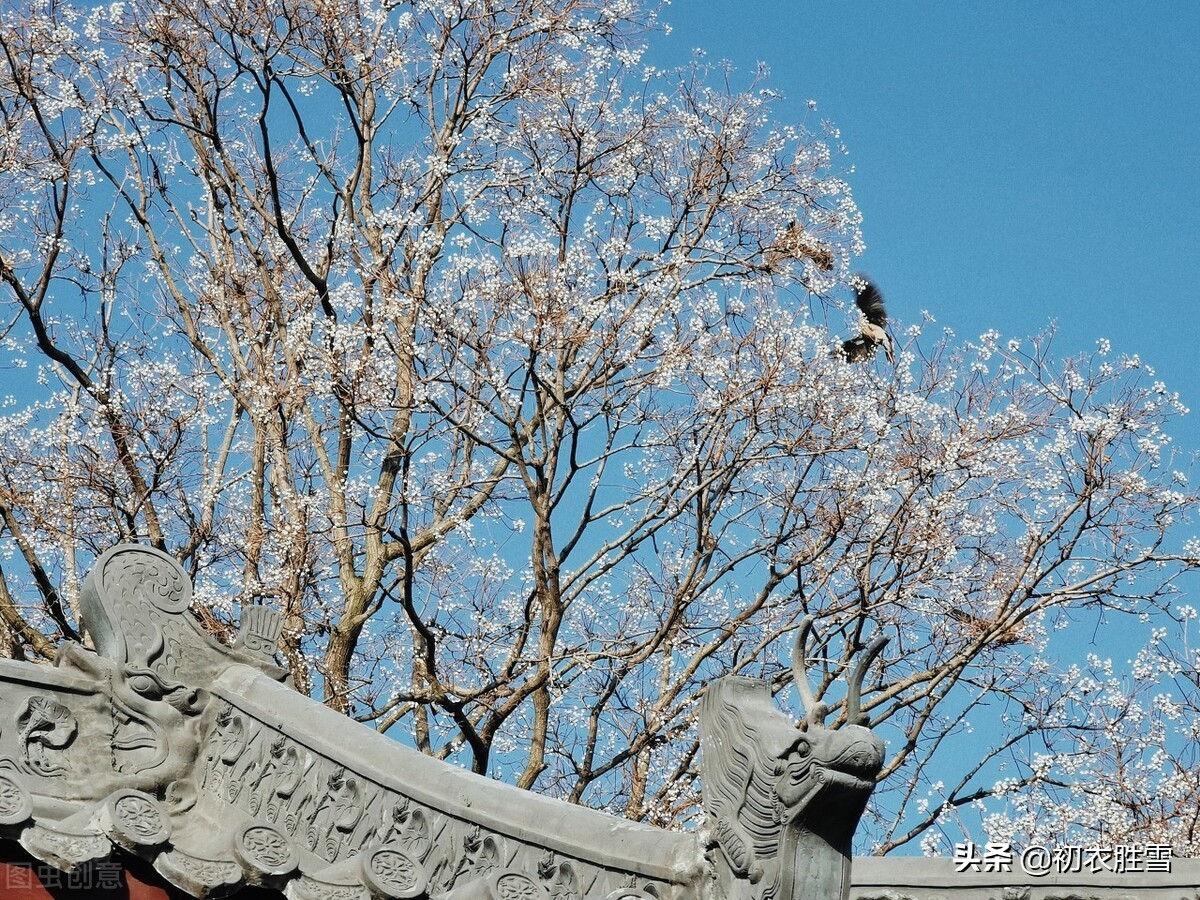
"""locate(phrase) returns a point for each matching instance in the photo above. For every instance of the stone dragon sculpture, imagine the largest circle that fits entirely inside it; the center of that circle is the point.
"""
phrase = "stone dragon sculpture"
(201, 758)
(783, 801)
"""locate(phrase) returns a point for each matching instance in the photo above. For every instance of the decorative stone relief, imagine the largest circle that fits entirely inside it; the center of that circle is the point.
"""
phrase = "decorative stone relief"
(407, 827)
(259, 631)
(153, 734)
(337, 812)
(317, 803)
(135, 603)
(482, 853)
(16, 806)
(278, 774)
(68, 850)
(503, 884)
(389, 872)
(266, 855)
(223, 748)
(307, 887)
(510, 885)
(558, 875)
(334, 813)
(199, 876)
(46, 728)
(135, 821)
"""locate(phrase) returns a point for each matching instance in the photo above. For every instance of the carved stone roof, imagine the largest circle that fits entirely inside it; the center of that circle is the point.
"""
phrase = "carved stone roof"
(202, 760)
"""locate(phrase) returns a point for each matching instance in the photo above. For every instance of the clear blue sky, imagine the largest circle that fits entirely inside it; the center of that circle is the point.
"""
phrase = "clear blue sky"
(1015, 162)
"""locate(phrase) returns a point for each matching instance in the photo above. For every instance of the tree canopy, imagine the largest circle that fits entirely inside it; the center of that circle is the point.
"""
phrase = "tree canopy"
(504, 366)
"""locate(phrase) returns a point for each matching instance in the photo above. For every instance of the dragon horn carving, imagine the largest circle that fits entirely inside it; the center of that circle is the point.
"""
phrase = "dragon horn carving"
(783, 803)
(854, 713)
(814, 710)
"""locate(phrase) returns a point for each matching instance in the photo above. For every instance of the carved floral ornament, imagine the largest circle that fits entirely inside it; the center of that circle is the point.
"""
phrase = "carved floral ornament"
(45, 727)
(16, 805)
(200, 758)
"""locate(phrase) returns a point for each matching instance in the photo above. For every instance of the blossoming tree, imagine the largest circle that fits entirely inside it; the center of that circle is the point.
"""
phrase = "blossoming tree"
(500, 364)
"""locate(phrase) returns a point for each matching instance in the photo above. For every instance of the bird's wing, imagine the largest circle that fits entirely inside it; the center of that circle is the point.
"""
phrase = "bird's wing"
(870, 302)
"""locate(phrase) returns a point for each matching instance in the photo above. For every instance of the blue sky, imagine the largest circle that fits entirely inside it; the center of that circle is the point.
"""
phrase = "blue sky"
(1016, 163)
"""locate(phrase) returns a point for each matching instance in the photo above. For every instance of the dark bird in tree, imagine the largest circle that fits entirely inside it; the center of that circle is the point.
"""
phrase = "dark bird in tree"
(874, 324)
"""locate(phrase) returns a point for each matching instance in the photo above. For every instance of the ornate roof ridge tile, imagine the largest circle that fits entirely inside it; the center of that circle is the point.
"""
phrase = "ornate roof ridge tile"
(200, 758)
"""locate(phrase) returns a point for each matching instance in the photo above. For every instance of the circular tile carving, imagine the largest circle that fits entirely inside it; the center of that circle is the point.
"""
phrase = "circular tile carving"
(15, 803)
(629, 893)
(390, 872)
(136, 818)
(515, 886)
(265, 851)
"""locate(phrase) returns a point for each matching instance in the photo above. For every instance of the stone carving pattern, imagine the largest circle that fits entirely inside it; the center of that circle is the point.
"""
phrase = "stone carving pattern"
(66, 850)
(170, 739)
(139, 818)
(16, 805)
(267, 849)
(482, 853)
(408, 828)
(204, 877)
(132, 604)
(305, 888)
(515, 886)
(46, 728)
(259, 630)
(393, 872)
(277, 774)
(146, 595)
(558, 876)
(336, 813)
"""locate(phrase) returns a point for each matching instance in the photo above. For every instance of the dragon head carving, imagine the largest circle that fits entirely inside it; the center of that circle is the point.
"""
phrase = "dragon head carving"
(782, 801)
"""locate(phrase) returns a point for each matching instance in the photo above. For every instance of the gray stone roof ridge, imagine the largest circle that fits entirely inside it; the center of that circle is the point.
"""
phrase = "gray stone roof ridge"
(201, 758)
